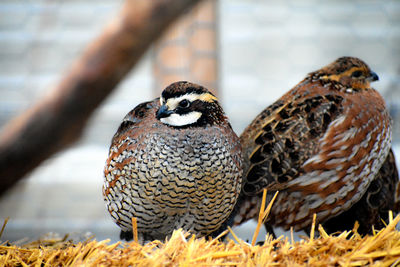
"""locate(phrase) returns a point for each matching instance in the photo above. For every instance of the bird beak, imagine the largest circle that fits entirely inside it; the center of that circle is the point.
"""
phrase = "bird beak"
(373, 77)
(163, 112)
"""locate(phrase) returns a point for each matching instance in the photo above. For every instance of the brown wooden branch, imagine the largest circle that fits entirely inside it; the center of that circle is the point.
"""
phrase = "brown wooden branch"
(58, 119)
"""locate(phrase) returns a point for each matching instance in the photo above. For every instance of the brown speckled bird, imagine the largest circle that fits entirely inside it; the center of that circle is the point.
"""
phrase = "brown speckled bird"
(174, 162)
(322, 145)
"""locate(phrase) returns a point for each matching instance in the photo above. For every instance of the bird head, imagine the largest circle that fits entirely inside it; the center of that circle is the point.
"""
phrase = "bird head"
(187, 104)
(351, 72)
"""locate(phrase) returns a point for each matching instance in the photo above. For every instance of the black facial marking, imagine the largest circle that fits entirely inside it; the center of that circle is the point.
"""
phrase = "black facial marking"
(356, 74)
(174, 92)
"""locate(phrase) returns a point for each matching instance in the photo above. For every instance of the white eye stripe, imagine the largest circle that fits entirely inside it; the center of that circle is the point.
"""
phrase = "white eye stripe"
(181, 119)
(172, 103)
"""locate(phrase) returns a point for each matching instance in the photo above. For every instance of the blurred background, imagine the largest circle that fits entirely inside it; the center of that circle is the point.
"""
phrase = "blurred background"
(248, 52)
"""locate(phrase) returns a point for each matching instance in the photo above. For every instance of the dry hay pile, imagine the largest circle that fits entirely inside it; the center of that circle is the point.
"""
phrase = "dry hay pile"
(345, 249)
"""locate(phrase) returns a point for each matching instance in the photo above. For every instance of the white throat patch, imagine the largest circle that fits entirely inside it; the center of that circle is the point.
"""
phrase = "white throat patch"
(181, 120)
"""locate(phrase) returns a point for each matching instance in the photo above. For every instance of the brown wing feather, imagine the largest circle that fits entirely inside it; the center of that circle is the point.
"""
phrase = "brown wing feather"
(284, 136)
(142, 115)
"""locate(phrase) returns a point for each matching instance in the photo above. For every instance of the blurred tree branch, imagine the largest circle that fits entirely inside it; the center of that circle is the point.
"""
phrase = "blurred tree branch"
(58, 119)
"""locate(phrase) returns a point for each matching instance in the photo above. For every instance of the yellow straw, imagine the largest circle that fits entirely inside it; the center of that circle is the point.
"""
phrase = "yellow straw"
(262, 216)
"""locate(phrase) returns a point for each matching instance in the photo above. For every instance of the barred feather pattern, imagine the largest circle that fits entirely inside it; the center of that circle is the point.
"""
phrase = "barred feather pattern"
(321, 145)
(170, 178)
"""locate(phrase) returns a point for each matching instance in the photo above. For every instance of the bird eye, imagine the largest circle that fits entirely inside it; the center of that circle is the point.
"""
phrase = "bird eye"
(140, 113)
(356, 74)
(184, 103)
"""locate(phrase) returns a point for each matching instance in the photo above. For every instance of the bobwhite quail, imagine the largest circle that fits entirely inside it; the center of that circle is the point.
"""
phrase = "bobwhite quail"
(322, 145)
(174, 162)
